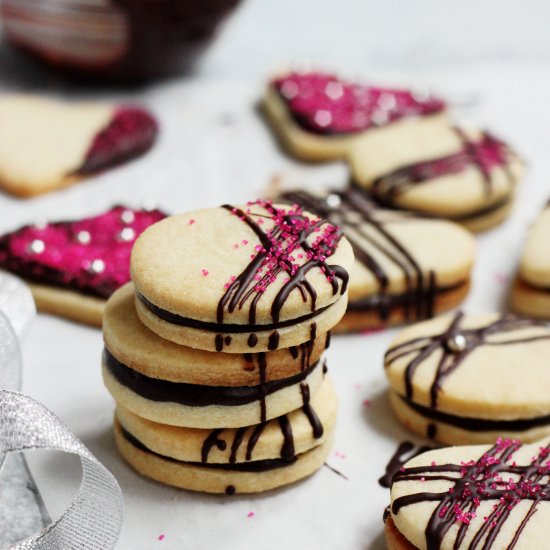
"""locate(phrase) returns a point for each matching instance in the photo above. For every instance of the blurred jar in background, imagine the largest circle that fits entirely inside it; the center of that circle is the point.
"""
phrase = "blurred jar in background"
(114, 39)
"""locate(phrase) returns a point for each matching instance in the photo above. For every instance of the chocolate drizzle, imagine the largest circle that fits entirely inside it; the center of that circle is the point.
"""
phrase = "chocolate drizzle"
(485, 154)
(291, 232)
(287, 450)
(494, 477)
(212, 441)
(452, 356)
(361, 220)
(405, 452)
(316, 424)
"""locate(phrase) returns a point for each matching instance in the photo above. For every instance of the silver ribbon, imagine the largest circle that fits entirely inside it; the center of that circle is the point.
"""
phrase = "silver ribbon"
(94, 519)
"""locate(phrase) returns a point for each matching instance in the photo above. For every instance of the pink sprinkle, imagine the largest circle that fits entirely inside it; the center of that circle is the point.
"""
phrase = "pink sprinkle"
(367, 402)
(161, 537)
(340, 455)
(373, 330)
(251, 514)
(192, 221)
(244, 241)
(500, 278)
(205, 272)
(433, 463)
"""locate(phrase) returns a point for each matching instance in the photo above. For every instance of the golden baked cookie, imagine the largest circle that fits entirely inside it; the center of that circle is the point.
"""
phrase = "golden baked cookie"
(407, 267)
(47, 144)
(467, 176)
(319, 117)
(73, 266)
(240, 279)
(244, 460)
(458, 498)
(469, 378)
(531, 291)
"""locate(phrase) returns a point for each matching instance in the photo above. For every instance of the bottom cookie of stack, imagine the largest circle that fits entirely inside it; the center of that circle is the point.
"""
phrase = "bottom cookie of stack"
(242, 460)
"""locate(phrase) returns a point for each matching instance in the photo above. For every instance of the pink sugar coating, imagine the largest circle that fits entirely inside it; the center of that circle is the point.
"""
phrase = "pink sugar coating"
(323, 103)
(67, 262)
(131, 132)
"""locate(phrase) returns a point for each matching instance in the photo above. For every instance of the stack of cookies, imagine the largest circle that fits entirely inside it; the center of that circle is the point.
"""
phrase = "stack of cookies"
(214, 353)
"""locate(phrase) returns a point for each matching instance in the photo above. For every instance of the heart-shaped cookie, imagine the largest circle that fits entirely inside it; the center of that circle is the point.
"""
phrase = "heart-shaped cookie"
(467, 176)
(47, 144)
(319, 116)
(74, 266)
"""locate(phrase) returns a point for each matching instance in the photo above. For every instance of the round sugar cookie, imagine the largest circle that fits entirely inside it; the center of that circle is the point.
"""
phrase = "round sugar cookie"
(241, 279)
(485, 496)
(407, 267)
(531, 290)
(243, 460)
(469, 378)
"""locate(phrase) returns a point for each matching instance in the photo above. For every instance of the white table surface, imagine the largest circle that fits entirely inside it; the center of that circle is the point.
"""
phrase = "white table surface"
(215, 148)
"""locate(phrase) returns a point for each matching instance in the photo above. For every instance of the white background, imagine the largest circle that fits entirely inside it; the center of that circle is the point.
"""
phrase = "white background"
(490, 58)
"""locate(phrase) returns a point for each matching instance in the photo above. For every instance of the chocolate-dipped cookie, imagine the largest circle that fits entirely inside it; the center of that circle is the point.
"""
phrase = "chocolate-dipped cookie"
(466, 176)
(462, 379)
(407, 268)
(318, 116)
(245, 460)
(72, 267)
(241, 279)
(531, 291)
(181, 386)
(47, 144)
(471, 498)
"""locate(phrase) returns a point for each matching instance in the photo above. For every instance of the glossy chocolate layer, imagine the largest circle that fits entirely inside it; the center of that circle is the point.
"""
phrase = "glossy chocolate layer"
(390, 302)
(225, 328)
(479, 424)
(256, 466)
(194, 395)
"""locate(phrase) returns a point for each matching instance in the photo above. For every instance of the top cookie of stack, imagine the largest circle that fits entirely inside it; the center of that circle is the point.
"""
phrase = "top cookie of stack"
(241, 279)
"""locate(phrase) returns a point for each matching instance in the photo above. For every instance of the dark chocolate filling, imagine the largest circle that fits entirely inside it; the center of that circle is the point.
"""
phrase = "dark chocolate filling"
(176, 319)
(479, 424)
(387, 302)
(253, 466)
(195, 395)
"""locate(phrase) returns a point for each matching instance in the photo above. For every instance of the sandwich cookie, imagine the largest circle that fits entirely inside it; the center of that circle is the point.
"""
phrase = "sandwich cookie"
(406, 267)
(241, 279)
(531, 291)
(463, 379)
(245, 460)
(72, 267)
(471, 498)
(181, 386)
(463, 175)
(47, 144)
(319, 117)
